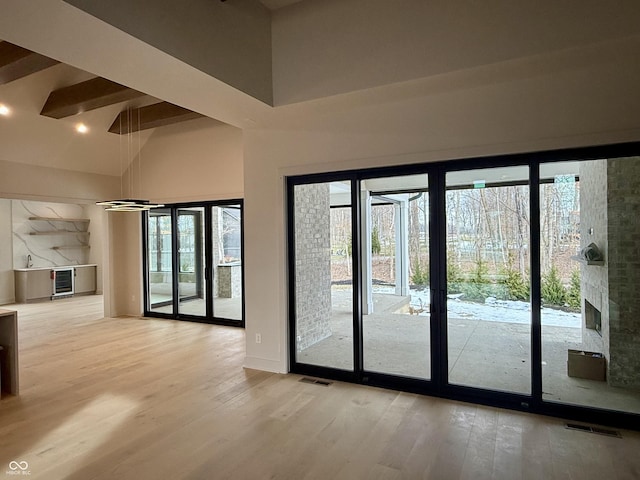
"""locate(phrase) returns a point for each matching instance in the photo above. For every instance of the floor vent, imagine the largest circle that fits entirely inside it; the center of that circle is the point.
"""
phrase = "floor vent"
(315, 381)
(599, 431)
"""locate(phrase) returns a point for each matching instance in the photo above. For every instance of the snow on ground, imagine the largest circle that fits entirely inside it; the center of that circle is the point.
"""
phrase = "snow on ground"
(493, 310)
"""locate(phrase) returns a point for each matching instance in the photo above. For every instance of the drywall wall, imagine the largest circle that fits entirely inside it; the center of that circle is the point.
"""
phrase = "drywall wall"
(7, 289)
(192, 161)
(98, 229)
(122, 290)
(196, 161)
(541, 107)
(227, 40)
(47, 184)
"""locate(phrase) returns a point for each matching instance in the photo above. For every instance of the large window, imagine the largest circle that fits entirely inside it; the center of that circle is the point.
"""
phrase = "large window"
(194, 262)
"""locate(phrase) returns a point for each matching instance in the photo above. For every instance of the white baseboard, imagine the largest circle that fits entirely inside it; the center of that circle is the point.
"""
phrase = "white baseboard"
(256, 363)
(6, 301)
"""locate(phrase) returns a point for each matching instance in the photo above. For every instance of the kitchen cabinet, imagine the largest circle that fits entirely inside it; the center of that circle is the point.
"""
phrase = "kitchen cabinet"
(33, 284)
(85, 279)
(36, 284)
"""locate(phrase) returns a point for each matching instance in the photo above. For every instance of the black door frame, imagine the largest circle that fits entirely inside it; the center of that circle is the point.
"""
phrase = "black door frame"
(438, 384)
(209, 273)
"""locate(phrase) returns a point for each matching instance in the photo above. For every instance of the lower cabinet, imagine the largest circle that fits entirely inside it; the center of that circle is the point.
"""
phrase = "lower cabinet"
(36, 283)
(33, 285)
(85, 279)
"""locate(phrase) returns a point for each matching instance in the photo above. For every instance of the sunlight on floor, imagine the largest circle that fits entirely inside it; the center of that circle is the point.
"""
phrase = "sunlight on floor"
(78, 438)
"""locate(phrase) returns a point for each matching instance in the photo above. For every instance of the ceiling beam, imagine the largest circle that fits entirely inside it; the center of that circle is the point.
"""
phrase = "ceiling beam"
(17, 62)
(151, 116)
(89, 95)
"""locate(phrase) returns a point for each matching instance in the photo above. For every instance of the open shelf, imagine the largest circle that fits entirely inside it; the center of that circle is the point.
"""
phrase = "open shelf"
(59, 232)
(57, 219)
(70, 247)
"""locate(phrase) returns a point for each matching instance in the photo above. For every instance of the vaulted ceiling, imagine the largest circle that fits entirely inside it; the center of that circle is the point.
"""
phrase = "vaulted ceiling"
(47, 101)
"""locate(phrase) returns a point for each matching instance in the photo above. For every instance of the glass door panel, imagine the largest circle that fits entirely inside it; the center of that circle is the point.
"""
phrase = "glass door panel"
(159, 261)
(191, 283)
(323, 275)
(395, 281)
(488, 294)
(588, 259)
(194, 262)
(226, 229)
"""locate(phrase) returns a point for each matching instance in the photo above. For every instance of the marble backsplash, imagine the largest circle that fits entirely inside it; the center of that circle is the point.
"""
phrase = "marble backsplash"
(49, 241)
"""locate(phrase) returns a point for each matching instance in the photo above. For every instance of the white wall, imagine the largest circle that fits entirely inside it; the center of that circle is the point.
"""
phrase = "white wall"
(192, 161)
(7, 290)
(195, 161)
(575, 97)
(230, 41)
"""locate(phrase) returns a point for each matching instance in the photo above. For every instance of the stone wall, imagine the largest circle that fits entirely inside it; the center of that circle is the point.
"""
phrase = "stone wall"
(229, 280)
(313, 264)
(623, 260)
(609, 213)
(593, 228)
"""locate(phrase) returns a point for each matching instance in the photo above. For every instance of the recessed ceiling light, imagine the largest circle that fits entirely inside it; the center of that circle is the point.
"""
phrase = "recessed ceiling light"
(82, 128)
(4, 110)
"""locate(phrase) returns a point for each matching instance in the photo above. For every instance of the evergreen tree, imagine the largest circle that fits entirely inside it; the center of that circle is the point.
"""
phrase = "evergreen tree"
(574, 298)
(552, 290)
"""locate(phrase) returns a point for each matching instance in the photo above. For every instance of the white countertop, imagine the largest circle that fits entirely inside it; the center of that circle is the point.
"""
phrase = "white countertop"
(53, 267)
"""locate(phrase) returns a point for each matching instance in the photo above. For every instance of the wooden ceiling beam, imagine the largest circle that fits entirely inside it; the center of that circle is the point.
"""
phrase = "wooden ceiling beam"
(151, 116)
(89, 95)
(17, 62)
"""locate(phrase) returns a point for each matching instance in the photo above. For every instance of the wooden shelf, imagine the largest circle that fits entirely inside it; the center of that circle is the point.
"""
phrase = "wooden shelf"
(69, 247)
(59, 232)
(587, 262)
(57, 219)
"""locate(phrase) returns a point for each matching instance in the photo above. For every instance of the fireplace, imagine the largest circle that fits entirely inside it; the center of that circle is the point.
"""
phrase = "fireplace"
(593, 317)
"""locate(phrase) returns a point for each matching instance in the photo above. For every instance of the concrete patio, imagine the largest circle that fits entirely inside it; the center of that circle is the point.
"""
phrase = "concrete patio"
(487, 354)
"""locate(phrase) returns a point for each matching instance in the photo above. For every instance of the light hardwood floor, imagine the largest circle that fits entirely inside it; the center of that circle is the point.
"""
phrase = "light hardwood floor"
(132, 398)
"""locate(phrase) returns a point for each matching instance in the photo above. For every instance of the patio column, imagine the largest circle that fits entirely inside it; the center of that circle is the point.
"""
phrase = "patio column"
(402, 247)
(365, 255)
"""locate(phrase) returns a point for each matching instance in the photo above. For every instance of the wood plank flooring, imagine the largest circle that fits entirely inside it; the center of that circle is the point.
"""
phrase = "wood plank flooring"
(130, 398)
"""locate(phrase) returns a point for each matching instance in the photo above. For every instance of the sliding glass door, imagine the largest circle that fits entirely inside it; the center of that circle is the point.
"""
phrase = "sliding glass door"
(395, 263)
(488, 293)
(159, 257)
(193, 262)
(323, 275)
(511, 284)
(191, 280)
(226, 253)
(361, 301)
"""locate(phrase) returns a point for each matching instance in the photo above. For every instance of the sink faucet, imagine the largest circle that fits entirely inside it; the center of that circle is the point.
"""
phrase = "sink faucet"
(29, 261)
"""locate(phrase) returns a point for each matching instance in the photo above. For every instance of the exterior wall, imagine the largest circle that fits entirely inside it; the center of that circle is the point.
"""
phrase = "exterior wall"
(610, 207)
(594, 279)
(623, 178)
(313, 263)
